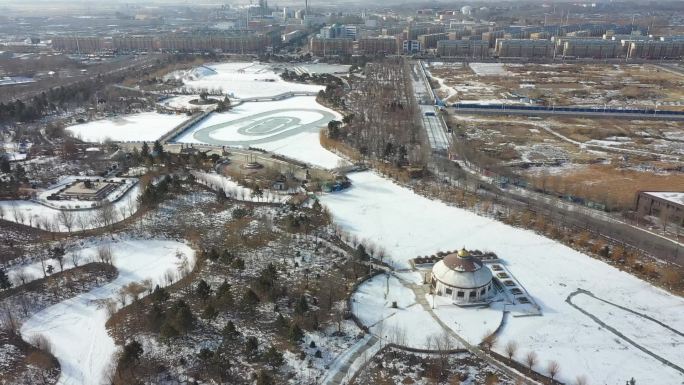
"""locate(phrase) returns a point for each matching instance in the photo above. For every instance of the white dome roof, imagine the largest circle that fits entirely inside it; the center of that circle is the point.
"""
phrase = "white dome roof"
(475, 277)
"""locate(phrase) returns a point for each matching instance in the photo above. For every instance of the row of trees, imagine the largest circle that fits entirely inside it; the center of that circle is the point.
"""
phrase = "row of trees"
(383, 123)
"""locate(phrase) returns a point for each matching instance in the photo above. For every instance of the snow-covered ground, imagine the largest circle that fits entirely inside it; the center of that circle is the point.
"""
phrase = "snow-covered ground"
(183, 102)
(408, 225)
(34, 214)
(145, 126)
(473, 324)
(234, 190)
(76, 327)
(489, 69)
(408, 324)
(243, 80)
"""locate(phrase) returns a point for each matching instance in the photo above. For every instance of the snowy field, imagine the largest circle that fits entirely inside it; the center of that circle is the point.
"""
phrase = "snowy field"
(408, 225)
(242, 80)
(76, 327)
(408, 324)
(145, 126)
(489, 69)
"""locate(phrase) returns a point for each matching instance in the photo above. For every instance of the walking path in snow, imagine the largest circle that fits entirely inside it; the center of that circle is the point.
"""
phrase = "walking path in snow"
(349, 362)
(421, 292)
(621, 334)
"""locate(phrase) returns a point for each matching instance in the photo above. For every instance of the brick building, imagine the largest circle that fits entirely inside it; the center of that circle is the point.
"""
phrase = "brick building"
(331, 47)
(378, 45)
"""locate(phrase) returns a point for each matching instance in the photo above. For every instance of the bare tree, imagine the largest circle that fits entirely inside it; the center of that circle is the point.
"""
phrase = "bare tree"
(511, 348)
(75, 257)
(104, 253)
(17, 213)
(553, 368)
(106, 214)
(67, 219)
(22, 277)
(489, 341)
(531, 360)
(82, 220)
(444, 345)
(581, 380)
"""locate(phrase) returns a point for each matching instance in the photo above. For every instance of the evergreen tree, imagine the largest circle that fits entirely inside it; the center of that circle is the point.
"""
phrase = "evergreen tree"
(295, 334)
(203, 290)
(5, 165)
(281, 322)
(223, 296)
(264, 378)
(250, 298)
(230, 331)
(361, 252)
(145, 151)
(4, 280)
(301, 306)
(158, 149)
(273, 357)
(132, 353)
(155, 318)
(209, 312)
(159, 295)
(251, 346)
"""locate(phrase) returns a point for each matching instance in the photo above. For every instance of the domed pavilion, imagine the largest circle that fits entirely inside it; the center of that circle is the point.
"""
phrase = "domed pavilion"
(463, 278)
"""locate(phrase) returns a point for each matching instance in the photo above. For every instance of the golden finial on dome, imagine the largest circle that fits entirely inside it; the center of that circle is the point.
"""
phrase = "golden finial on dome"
(463, 252)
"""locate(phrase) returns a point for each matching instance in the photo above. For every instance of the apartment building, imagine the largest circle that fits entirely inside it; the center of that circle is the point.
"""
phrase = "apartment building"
(81, 44)
(463, 48)
(378, 45)
(591, 48)
(656, 49)
(429, 41)
(331, 47)
(528, 48)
